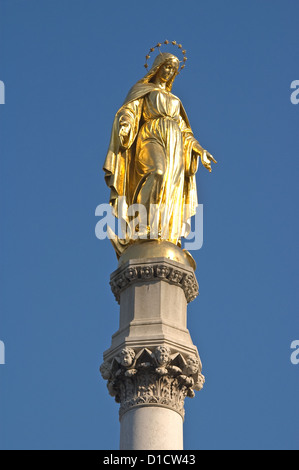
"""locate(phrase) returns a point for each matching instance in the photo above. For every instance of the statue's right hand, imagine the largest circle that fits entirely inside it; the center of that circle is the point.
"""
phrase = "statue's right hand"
(124, 126)
(124, 129)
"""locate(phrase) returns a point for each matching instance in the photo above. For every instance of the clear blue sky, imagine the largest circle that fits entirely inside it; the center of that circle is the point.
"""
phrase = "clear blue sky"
(67, 66)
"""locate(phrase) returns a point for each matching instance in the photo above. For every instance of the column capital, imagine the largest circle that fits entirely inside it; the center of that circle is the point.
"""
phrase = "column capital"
(152, 377)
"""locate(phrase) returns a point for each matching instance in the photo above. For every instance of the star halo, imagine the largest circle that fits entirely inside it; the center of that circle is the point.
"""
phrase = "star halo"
(166, 42)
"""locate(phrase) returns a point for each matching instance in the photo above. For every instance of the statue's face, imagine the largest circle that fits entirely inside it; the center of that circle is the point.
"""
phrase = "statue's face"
(192, 365)
(126, 358)
(162, 356)
(166, 71)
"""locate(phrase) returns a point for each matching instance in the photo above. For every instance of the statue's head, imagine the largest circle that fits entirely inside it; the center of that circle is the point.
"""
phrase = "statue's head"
(166, 58)
(162, 354)
(165, 67)
(127, 356)
(193, 364)
(168, 70)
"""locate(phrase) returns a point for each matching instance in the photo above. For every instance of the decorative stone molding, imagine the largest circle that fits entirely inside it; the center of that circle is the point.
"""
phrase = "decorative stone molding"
(155, 377)
(164, 270)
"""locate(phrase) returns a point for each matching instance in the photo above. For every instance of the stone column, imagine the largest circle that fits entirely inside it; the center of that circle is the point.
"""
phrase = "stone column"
(152, 364)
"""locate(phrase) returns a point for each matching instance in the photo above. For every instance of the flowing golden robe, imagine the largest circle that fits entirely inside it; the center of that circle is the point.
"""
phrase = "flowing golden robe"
(160, 138)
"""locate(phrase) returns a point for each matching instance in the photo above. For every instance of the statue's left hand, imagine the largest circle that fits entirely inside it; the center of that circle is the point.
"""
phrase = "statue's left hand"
(206, 157)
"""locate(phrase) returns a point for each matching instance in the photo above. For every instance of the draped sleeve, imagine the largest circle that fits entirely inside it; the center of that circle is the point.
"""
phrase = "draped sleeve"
(118, 165)
(191, 162)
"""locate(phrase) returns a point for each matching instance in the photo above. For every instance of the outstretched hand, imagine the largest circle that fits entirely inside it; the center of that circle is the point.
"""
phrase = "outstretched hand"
(205, 156)
(206, 160)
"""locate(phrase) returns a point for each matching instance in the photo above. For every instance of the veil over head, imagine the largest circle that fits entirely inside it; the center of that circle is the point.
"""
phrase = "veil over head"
(161, 58)
(138, 88)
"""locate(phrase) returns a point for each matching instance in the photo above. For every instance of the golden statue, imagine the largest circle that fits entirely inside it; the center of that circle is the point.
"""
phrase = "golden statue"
(153, 156)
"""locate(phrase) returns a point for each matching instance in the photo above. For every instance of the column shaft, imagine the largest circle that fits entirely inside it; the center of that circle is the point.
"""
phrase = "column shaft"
(151, 428)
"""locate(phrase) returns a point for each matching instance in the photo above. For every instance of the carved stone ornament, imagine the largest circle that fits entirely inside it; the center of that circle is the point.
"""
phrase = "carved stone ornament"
(155, 271)
(152, 377)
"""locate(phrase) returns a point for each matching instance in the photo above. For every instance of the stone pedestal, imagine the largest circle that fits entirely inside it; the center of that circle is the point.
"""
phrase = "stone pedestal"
(152, 364)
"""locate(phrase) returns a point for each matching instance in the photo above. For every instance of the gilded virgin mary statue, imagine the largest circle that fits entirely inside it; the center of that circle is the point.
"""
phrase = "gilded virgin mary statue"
(153, 158)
